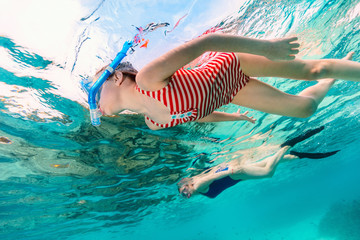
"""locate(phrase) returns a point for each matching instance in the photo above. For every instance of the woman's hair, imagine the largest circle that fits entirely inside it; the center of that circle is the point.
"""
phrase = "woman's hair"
(125, 67)
(183, 182)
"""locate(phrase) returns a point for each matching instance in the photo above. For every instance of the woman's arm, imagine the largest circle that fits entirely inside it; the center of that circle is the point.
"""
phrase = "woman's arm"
(202, 181)
(155, 74)
(222, 116)
(214, 117)
(276, 49)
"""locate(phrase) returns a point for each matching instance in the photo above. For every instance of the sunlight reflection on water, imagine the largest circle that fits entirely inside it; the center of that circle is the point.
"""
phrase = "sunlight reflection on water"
(60, 175)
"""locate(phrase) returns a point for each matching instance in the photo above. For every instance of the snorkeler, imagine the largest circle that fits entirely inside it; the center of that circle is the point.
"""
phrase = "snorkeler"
(215, 180)
(168, 94)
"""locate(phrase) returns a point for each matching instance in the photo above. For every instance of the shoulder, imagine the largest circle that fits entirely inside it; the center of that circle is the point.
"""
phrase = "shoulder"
(149, 84)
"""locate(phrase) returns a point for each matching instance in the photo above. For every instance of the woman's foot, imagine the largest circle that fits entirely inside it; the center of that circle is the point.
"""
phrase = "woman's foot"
(289, 157)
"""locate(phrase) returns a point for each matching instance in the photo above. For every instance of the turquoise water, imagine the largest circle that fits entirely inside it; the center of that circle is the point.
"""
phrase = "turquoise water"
(61, 178)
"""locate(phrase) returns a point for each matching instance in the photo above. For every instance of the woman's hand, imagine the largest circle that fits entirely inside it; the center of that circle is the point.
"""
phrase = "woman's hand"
(222, 116)
(282, 49)
(243, 116)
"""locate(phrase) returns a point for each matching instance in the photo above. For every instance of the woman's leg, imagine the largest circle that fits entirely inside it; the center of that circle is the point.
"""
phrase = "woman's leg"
(262, 169)
(285, 158)
(259, 66)
(263, 97)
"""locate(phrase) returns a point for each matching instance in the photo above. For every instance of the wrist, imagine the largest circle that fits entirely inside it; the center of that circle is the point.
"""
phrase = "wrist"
(266, 47)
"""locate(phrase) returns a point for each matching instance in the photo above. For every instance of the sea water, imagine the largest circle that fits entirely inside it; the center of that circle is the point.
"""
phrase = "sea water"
(62, 178)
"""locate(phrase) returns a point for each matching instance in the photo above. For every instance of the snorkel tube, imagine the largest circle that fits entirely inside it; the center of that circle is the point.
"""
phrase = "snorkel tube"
(95, 113)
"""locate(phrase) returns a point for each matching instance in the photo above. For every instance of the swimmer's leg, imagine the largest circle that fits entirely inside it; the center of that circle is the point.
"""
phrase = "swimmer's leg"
(263, 97)
(267, 167)
(296, 155)
(259, 66)
(319, 91)
(263, 169)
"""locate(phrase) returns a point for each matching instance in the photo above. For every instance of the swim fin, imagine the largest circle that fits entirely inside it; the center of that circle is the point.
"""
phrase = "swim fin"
(302, 137)
(313, 155)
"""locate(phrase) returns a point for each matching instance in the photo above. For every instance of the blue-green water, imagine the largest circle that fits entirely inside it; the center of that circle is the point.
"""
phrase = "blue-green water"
(61, 178)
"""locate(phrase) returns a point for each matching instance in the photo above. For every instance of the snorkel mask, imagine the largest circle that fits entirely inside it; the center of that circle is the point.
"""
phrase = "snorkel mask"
(93, 94)
(95, 112)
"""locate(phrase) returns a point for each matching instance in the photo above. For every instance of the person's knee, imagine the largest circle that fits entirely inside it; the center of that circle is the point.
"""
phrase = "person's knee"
(319, 70)
(269, 172)
(307, 108)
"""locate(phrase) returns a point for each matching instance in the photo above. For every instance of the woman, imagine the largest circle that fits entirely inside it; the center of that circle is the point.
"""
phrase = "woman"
(168, 94)
(216, 179)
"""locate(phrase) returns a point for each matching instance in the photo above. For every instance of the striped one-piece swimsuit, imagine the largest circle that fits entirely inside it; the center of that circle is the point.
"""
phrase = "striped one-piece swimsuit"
(195, 93)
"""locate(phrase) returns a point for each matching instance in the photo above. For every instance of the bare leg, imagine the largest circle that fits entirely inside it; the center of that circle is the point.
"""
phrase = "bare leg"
(319, 91)
(265, 168)
(258, 66)
(263, 97)
(285, 158)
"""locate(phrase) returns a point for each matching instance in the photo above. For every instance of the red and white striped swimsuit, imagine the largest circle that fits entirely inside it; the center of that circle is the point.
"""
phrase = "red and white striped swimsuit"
(195, 93)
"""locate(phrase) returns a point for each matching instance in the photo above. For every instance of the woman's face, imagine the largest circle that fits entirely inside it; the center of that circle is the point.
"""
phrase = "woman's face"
(108, 96)
(186, 189)
(110, 93)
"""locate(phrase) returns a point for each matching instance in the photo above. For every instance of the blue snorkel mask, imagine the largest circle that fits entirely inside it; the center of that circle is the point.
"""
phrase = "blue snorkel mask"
(95, 112)
(93, 91)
